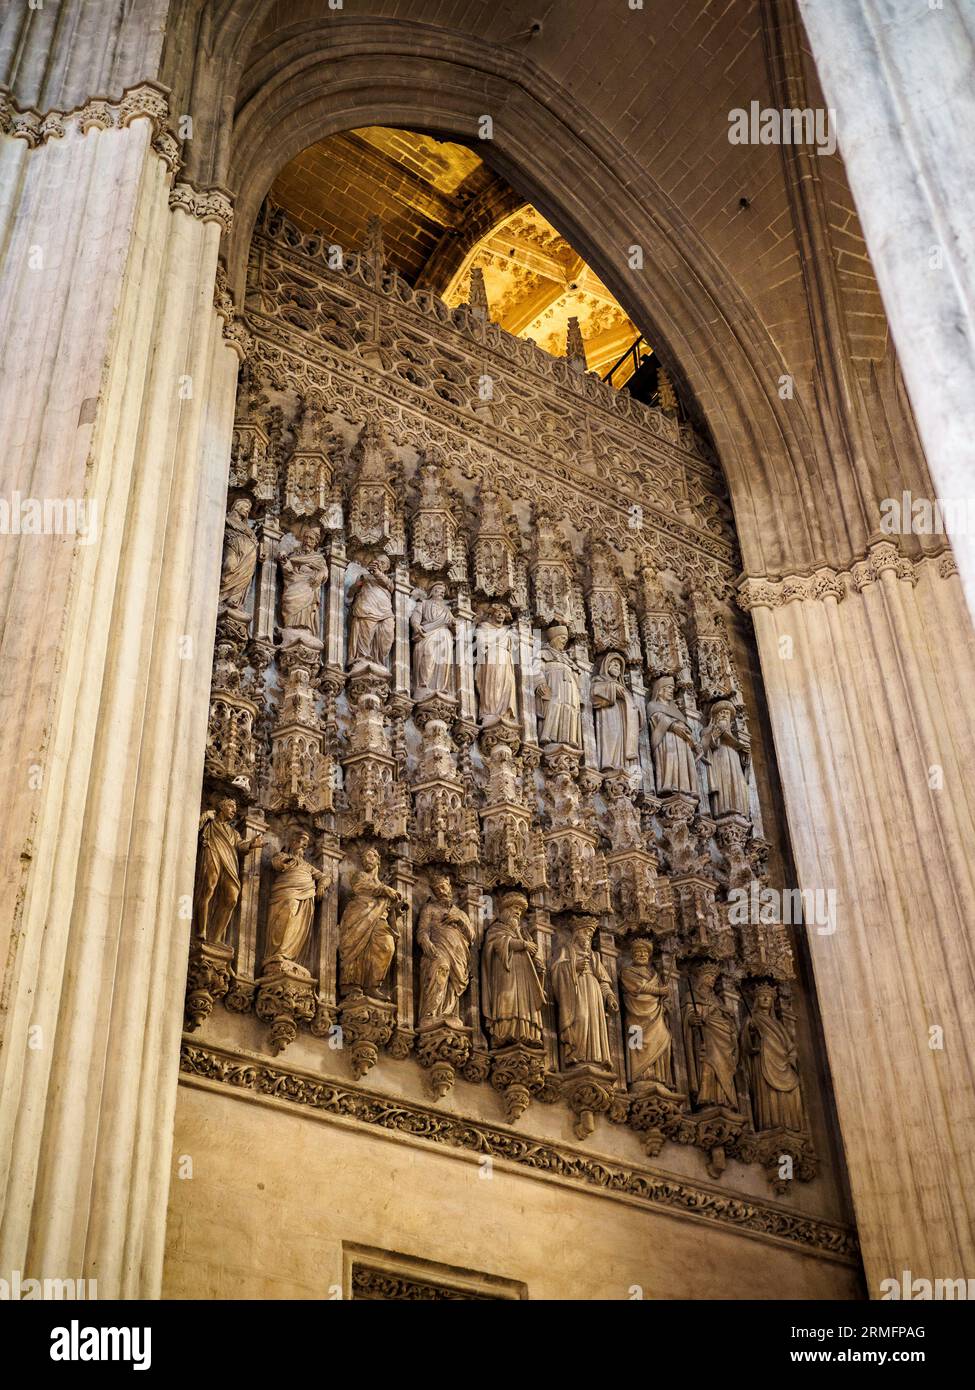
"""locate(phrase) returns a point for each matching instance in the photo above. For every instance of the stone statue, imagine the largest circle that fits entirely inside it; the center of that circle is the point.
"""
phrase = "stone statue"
(444, 935)
(557, 690)
(618, 716)
(367, 941)
(305, 570)
(217, 886)
(771, 1065)
(512, 975)
(432, 626)
(710, 1041)
(294, 890)
(496, 669)
(721, 754)
(373, 626)
(645, 995)
(239, 556)
(584, 992)
(671, 742)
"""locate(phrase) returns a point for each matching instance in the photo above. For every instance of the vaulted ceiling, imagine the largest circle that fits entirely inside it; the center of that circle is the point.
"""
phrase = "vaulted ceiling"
(445, 213)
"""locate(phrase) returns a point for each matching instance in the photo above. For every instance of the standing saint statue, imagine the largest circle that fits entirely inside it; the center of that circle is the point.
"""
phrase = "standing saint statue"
(584, 992)
(671, 741)
(618, 716)
(494, 649)
(305, 570)
(722, 752)
(373, 625)
(557, 691)
(445, 936)
(217, 886)
(432, 626)
(367, 941)
(512, 976)
(771, 1064)
(239, 556)
(710, 1041)
(645, 995)
(296, 886)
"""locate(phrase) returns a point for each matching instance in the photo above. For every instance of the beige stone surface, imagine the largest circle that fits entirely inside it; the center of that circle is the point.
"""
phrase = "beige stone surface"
(274, 1197)
(615, 147)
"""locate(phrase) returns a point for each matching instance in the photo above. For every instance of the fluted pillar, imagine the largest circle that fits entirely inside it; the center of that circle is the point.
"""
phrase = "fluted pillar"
(118, 389)
(869, 677)
(898, 75)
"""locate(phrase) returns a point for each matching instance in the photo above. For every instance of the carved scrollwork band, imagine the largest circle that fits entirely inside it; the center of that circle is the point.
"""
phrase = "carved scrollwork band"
(679, 1196)
(147, 100)
(206, 204)
(884, 557)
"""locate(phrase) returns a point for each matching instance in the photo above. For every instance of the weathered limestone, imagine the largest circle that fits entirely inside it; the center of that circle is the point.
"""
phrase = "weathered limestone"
(867, 678)
(101, 849)
(117, 384)
(899, 76)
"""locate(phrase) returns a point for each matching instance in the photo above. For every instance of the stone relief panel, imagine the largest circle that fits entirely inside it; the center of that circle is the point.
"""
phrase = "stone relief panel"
(478, 787)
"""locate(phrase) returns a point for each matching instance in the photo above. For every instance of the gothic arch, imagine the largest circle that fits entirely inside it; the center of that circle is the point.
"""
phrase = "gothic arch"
(311, 80)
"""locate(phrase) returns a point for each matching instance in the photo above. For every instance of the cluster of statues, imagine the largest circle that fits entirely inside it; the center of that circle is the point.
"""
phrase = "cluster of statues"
(514, 988)
(557, 686)
(600, 710)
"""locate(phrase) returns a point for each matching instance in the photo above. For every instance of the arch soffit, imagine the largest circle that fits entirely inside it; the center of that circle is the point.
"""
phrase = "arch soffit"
(315, 80)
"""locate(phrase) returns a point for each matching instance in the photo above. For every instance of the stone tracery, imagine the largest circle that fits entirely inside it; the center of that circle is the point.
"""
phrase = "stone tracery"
(522, 768)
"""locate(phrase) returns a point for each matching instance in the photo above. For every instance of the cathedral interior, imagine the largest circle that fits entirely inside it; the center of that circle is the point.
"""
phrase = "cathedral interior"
(491, 818)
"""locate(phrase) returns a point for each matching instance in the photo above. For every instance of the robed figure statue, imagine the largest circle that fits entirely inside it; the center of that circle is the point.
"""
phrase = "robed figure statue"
(367, 940)
(722, 752)
(648, 1039)
(710, 1041)
(445, 936)
(584, 992)
(771, 1064)
(294, 890)
(618, 716)
(512, 976)
(671, 742)
(217, 886)
(432, 626)
(239, 556)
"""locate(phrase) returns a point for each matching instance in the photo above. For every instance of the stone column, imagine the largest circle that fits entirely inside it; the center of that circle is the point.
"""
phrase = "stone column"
(869, 678)
(118, 388)
(265, 588)
(898, 74)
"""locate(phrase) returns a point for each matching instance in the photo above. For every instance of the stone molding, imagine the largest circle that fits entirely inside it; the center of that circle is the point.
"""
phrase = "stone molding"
(653, 429)
(207, 204)
(824, 583)
(560, 1161)
(148, 99)
(234, 332)
(684, 523)
(376, 1284)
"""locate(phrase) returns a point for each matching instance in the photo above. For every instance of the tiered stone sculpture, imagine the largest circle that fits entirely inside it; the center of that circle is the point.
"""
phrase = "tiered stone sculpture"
(499, 748)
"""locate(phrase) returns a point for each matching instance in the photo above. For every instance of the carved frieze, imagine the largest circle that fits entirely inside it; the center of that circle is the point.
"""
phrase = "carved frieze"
(464, 683)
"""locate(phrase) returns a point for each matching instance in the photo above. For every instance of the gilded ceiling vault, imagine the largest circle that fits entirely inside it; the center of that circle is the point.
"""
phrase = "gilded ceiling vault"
(445, 213)
(479, 785)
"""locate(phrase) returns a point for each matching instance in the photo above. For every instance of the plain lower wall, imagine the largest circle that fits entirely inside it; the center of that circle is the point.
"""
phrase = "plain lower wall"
(275, 1196)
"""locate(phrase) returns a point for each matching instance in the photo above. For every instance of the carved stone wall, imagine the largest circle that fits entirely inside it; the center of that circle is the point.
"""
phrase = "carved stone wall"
(479, 790)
